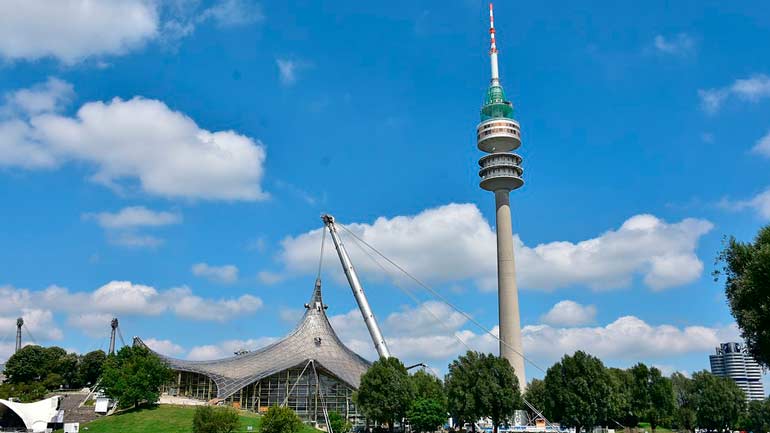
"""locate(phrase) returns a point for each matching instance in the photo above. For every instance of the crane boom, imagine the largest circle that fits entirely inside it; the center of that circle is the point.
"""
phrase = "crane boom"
(358, 291)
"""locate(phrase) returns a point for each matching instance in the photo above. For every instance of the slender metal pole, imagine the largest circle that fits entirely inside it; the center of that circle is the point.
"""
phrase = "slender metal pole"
(19, 324)
(358, 291)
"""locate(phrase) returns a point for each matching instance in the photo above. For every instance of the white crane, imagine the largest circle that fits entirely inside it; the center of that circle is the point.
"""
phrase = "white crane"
(358, 291)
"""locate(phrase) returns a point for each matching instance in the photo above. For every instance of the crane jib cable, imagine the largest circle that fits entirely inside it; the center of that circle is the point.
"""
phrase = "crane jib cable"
(442, 298)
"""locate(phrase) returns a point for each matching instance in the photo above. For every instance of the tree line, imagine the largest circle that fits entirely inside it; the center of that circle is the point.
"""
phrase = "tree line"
(577, 392)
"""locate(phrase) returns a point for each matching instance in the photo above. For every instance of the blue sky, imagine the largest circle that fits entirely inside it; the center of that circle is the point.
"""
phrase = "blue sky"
(167, 162)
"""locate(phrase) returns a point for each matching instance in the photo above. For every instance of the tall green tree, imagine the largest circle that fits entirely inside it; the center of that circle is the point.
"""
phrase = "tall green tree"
(684, 412)
(428, 386)
(426, 415)
(746, 268)
(718, 402)
(621, 409)
(756, 419)
(134, 376)
(499, 390)
(653, 395)
(578, 390)
(463, 374)
(90, 367)
(535, 395)
(386, 391)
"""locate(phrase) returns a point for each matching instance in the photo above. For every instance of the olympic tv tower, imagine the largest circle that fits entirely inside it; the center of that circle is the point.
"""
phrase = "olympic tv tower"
(498, 135)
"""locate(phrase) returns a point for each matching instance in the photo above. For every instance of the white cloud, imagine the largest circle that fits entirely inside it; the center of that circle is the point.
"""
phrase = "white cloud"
(760, 204)
(662, 253)
(627, 338)
(134, 240)
(185, 304)
(134, 216)
(751, 89)
(287, 70)
(220, 274)
(71, 30)
(228, 13)
(763, 146)
(118, 298)
(37, 322)
(625, 341)
(139, 142)
(268, 277)
(93, 324)
(166, 347)
(680, 44)
(226, 348)
(121, 226)
(569, 313)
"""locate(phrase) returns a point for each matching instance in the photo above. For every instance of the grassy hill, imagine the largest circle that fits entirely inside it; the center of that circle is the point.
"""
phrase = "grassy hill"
(161, 419)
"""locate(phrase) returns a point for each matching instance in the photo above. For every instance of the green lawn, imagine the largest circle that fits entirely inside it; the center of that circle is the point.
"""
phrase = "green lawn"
(646, 426)
(161, 419)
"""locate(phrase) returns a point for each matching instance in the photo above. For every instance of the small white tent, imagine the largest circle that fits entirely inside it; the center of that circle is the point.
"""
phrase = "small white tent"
(35, 416)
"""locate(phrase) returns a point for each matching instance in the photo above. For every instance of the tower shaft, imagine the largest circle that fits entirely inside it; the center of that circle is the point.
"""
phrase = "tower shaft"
(507, 291)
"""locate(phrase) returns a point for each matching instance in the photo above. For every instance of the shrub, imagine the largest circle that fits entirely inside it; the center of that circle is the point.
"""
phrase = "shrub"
(280, 420)
(221, 419)
(339, 423)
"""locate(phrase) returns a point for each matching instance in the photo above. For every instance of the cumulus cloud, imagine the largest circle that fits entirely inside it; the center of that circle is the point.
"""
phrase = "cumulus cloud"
(763, 146)
(680, 44)
(752, 89)
(116, 298)
(626, 340)
(760, 204)
(92, 324)
(218, 274)
(71, 30)
(226, 348)
(463, 242)
(37, 322)
(74, 30)
(138, 142)
(569, 313)
(122, 226)
(166, 347)
(133, 216)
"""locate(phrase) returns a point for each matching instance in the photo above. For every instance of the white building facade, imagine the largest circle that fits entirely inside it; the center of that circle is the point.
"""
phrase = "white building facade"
(733, 360)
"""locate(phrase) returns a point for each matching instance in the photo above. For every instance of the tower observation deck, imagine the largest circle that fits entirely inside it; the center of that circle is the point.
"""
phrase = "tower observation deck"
(498, 135)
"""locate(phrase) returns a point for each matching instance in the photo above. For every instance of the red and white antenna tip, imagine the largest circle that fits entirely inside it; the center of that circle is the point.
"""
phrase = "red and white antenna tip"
(493, 45)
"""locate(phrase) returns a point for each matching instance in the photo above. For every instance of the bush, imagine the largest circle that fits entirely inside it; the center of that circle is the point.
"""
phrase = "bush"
(221, 419)
(280, 420)
(339, 423)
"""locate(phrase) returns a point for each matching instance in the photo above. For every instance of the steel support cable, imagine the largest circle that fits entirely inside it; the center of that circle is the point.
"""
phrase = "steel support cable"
(411, 295)
(29, 334)
(286, 400)
(442, 298)
(321, 259)
(466, 315)
(120, 334)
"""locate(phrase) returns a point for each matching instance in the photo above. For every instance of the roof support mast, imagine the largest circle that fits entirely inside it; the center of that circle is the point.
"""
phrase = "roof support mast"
(358, 291)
